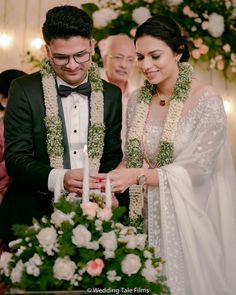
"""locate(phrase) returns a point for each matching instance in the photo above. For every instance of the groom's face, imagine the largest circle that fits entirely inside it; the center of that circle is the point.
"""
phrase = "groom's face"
(71, 58)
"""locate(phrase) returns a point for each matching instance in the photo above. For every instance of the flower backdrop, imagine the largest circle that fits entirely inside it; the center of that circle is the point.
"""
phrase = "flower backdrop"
(210, 25)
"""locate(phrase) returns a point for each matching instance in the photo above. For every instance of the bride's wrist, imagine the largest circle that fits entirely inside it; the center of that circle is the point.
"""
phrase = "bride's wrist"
(141, 176)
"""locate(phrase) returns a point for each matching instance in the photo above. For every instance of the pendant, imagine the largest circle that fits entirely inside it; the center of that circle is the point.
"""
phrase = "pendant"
(162, 103)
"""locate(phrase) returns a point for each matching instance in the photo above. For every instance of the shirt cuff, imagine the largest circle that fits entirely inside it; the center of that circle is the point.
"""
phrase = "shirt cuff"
(56, 182)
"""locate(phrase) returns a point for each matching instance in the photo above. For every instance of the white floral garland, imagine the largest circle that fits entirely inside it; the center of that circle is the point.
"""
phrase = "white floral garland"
(166, 145)
(54, 125)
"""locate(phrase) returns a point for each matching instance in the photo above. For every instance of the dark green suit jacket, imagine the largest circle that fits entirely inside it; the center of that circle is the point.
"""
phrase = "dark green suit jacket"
(26, 156)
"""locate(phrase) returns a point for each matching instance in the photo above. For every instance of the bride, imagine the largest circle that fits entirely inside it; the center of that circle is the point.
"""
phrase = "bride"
(178, 154)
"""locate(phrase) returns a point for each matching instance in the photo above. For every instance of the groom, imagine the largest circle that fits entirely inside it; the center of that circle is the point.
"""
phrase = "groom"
(43, 155)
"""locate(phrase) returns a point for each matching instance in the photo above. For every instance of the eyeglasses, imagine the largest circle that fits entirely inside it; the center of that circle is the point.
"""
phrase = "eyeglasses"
(63, 60)
(121, 58)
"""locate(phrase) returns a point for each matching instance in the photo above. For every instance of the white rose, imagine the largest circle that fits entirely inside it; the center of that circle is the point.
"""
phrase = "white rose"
(36, 260)
(141, 240)
(174, 2)
(227, 48)
(108, 241)
(64, 269)
(81, 236)
(131, 242)
(104, 214)
(20, 250)
(17, 271)
(89, 209)
(92, 245)
(32, 269)
(32, 265)
(216, 25)
(109, 254)
(147, 254)
(58, 217)
(119, 225)
(5, 258)
(233, 57)
(150, 274)
(140, 15)
(112, 276)
(98, 225)
(15, 242)
(102, 17)
(130, 264)
(47, 238)
(131, 230)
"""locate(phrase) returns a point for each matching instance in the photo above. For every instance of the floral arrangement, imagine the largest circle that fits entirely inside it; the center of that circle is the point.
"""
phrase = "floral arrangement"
(33, 59)
(209, 25)
(81, 246)
(53, 122)
(166, 146)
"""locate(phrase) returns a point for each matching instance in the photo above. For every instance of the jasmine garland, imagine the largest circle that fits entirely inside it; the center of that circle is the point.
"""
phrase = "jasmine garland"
(54, 125)
(166, 147)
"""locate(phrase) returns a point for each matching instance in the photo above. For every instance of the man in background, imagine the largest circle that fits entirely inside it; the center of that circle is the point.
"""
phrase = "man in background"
(119, 61)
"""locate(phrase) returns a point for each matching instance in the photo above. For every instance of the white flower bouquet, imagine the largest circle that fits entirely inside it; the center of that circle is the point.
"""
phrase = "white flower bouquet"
(81, 246)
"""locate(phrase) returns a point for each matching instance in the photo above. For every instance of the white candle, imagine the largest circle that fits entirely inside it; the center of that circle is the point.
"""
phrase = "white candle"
(85, 196)
(108, 192)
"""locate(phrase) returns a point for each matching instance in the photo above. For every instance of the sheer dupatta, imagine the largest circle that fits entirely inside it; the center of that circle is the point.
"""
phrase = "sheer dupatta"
(192, 213)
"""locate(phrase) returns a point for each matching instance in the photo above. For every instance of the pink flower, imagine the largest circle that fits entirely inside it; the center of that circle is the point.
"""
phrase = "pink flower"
(203, 49)
(205, 25)
(105, 214)
(197, 42)
(89, 209)
(94, 267)
(226, 48)
(186, 10)
(196, 53)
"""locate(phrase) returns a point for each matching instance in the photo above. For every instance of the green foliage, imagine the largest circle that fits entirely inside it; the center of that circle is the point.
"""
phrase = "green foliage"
(32, 263)
(190, 22)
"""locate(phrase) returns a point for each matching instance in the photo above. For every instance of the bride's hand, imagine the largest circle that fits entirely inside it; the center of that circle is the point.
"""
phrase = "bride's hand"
(122, 178)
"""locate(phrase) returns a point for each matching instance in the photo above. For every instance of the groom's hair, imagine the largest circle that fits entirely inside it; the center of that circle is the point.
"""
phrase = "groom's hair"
(66, 21)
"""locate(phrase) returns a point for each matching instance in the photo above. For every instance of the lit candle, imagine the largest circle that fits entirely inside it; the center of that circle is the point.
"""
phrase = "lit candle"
(108, 192)
(85, 196)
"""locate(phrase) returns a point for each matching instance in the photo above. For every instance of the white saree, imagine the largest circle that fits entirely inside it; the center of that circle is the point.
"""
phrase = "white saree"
(191, 215)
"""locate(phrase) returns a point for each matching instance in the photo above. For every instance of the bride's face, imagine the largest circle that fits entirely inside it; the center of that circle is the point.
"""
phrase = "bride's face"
(156, 60)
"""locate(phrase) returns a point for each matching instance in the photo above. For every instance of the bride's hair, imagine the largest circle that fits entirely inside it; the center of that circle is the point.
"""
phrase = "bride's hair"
(166, 29)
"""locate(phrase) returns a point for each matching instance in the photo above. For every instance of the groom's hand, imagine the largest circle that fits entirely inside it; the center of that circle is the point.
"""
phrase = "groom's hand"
(73, 181)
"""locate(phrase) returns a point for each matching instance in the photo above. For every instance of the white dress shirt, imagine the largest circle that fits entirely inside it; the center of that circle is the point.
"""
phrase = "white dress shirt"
(76, 115)
(131, 87)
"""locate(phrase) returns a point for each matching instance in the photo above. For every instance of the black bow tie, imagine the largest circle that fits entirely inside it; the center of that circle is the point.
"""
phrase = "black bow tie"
(84, 89)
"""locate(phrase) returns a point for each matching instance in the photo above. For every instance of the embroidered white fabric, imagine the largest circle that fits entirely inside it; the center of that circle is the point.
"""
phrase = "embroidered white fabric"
(191, 216)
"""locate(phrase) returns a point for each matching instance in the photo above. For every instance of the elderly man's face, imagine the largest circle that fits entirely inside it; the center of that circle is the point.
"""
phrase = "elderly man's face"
(120, 60)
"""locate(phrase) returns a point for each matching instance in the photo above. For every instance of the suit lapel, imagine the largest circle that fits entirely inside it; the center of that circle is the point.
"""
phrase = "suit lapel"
(66, 156)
